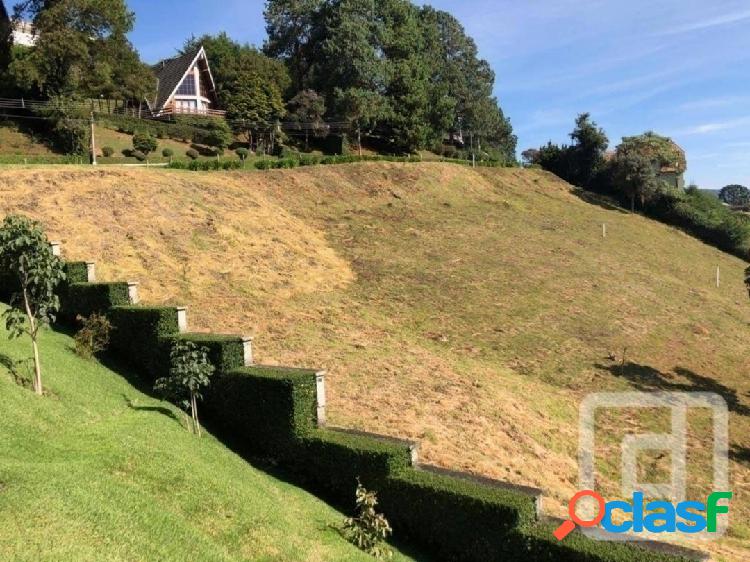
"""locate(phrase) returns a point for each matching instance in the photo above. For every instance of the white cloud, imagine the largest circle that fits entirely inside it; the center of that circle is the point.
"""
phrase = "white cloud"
(707, 128)
(726, 19)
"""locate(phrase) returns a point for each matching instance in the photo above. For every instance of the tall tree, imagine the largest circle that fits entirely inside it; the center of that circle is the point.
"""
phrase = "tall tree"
(590, 142)
(291, 26)
(81, 49)
(25, 253)
(252, 105)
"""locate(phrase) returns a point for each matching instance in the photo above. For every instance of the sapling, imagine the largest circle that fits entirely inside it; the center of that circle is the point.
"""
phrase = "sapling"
(190, 371)
(26, 255)
(369, 530)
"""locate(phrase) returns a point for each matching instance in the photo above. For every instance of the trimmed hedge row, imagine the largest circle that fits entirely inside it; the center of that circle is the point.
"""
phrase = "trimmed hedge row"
(265, 408)
(224, 352)
(140, 337)
(457, 519)
(271, 412)
(86, 299)
(313, 160)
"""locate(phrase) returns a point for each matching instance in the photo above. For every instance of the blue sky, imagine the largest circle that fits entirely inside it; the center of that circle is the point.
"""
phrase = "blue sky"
(679, 67)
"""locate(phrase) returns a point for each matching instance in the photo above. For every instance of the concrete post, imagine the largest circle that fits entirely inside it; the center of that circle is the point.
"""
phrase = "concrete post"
(133, 292)
(56, 248)
(320, 394)
(91, 272)
(247, 346)
(182, 323)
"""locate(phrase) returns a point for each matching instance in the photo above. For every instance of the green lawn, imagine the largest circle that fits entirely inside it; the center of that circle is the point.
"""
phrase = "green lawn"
(99, 471)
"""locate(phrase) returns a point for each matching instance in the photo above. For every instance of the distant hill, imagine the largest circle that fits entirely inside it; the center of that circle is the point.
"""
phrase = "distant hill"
(469, 309)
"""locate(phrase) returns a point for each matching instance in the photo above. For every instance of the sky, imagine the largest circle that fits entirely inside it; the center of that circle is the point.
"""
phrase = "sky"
(678, 67)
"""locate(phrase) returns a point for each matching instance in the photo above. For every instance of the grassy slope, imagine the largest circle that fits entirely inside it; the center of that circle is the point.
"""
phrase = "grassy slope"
(13, 141)
(98, 471)
(470, 309)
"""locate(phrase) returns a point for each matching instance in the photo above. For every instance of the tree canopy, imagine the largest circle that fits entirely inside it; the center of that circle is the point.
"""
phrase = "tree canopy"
(417, 65)
(81, 50)
(735, 195)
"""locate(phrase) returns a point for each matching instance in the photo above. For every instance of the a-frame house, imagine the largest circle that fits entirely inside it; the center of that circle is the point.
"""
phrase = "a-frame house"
(185, 86)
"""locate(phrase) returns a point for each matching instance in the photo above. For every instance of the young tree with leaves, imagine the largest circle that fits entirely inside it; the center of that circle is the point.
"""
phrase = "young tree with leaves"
(26, 254)
(190, 372)
(369, 529)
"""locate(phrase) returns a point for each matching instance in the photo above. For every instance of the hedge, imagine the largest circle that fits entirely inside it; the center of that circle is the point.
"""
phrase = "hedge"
(224, 352)
(456, 519)
(313, 160)
(535, 542)
(331, 462)
(266, 409)
(271, 412)
(140, 337)
(85, 299)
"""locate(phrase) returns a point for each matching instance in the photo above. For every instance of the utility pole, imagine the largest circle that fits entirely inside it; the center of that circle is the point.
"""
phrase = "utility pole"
(93, 141)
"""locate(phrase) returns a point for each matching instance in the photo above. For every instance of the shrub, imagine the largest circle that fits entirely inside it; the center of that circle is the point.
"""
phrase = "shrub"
(107, 151)
(369, 529)
(145, 143)
(192, 154)
(167, 153)
(242, 153)
(93, 337)
(138, 155)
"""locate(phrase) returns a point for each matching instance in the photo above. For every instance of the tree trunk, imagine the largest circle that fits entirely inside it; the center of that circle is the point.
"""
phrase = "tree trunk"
(359, 140)
(194, 408)
(632, 203)
(33, 333)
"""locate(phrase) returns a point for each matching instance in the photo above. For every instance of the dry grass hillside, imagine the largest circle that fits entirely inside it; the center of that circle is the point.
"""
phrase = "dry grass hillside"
(471, 310)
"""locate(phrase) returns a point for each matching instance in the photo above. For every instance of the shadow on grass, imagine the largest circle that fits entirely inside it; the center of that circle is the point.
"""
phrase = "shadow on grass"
(647, 378)
(155, 409)
(15, 368)
(599, 200)
(740, 454)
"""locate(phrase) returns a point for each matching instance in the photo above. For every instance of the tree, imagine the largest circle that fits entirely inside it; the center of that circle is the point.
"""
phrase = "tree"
(307, 109)
(26, 254)
(635, 177)
(735, 195)
(230, 60)
(145, 143)
(362, 109)
(168, 153)
(218, 137)
(589, 145)
(292, 26)
(190, 372)
(369, 529)
(252, 104)
(530, 156)
(82, 49)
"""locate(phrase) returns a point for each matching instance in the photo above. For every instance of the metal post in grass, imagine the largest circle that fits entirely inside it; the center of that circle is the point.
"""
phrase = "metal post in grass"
(718, 276)
(604, 230)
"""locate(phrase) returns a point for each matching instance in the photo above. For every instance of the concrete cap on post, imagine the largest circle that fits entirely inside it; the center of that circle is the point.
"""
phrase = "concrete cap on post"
(91, 272)
(247, 350)
(320, 395)
(182, 323)
(56, 248)
(133, 292)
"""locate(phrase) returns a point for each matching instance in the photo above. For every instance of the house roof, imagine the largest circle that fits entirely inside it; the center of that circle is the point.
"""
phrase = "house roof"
(170, 72)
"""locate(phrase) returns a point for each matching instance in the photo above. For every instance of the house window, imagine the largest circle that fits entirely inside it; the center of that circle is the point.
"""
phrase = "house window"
(187, 88)
(204, 90)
